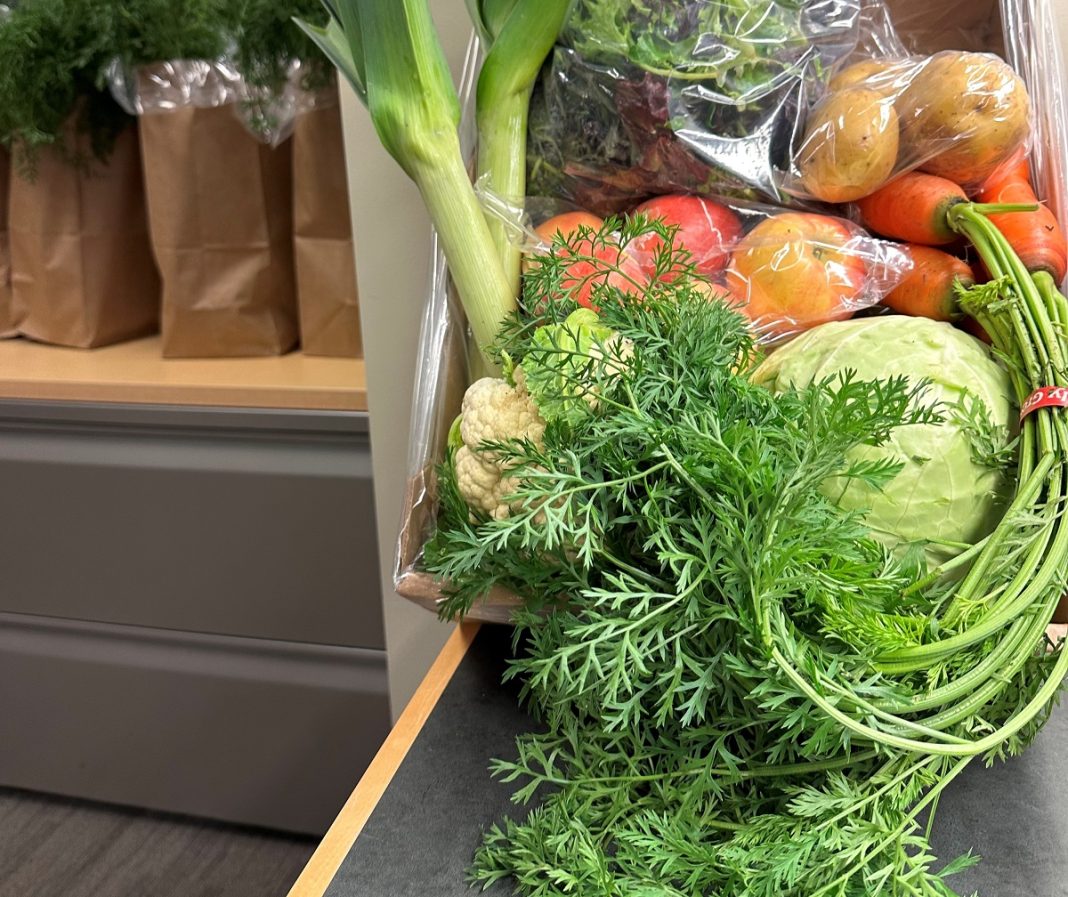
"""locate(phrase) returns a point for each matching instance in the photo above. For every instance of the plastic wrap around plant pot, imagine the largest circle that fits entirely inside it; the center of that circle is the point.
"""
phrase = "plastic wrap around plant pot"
(9, 314)
(81, 266)
(700, 96)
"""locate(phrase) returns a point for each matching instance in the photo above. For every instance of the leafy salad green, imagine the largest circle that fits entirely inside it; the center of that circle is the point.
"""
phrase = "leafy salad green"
(651, 97)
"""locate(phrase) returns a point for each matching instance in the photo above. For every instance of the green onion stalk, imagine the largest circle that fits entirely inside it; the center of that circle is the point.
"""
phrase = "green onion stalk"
(389, 51)
(518, 35)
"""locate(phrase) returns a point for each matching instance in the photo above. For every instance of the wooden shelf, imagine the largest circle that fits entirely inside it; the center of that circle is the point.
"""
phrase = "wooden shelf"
(136, 372)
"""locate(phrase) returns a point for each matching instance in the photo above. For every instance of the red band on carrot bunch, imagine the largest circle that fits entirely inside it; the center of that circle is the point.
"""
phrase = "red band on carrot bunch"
(1046, 397)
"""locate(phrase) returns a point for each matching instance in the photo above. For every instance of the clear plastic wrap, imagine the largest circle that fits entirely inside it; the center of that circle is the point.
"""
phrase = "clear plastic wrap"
(786, 270)
(1033, 48)
(175, 84)
(1030, 45)
(958, 115)
(698, 96)
(441, 376)
(268, 114)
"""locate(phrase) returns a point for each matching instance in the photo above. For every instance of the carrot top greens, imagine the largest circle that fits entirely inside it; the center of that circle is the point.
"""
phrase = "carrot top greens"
(740, 691)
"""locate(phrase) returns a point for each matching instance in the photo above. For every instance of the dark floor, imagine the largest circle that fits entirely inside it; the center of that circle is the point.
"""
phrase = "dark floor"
(54, 847)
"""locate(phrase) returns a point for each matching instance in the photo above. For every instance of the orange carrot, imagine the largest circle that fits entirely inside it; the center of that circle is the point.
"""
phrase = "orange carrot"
(1036, 236)
(913, 208)
(927, 290)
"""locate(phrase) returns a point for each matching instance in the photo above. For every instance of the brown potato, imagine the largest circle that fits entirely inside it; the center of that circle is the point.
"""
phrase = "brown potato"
(850, 146)
(886, 76)
(965, 114)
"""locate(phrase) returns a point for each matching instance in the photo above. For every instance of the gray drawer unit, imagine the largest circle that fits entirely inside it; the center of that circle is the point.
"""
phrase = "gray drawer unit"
(246, 730)
(190, 609)
(233, 522)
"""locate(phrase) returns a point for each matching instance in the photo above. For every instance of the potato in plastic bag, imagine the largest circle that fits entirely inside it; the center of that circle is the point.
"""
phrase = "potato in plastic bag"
(958, 115)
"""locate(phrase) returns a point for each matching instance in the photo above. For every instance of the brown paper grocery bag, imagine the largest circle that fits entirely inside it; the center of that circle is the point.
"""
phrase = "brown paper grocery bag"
(81, 268)
(9, 318)
(220, 214)
(322, 237)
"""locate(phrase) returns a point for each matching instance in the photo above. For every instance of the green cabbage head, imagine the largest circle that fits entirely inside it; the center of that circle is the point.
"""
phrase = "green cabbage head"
(955, 475)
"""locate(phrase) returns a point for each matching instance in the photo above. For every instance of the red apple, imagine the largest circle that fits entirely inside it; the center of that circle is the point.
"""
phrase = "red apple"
(707, 230)
(602, 260)
(567, 224)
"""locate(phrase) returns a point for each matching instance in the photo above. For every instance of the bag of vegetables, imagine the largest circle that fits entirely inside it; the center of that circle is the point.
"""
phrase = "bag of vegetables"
(220, 208)
(82, 268)
(751, 677)
(887, 110)
(218, 199)
(217, 99)
(701, 96)
(957, 115)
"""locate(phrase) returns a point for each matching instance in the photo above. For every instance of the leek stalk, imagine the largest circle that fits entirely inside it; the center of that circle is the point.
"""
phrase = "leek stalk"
(519, 35)
(401, 74)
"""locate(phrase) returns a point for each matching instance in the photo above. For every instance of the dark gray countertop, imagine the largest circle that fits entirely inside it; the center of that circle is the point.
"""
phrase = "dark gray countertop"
(423, 833)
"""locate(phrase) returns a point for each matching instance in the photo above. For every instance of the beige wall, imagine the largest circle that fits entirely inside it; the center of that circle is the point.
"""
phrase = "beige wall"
(392, 235)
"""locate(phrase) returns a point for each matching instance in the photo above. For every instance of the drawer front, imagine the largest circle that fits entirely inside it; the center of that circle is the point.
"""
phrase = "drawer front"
(249, 524)
(243, 730)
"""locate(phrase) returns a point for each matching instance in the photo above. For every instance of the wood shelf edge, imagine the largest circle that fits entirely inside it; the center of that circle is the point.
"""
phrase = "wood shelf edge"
(136, 373)
(342, 834)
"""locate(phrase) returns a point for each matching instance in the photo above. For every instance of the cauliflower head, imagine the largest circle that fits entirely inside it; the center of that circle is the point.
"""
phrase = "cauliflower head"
(493, 411)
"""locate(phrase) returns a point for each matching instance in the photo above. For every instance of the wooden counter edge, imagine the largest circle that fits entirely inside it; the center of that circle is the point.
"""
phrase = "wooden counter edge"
(342, 834)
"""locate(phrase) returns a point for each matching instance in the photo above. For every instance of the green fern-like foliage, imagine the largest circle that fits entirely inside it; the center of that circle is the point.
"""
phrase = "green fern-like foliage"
(148, 31)
(267, 41)
(52, 54)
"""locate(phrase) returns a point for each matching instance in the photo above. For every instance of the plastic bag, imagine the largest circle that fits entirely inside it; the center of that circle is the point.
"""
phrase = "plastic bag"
(268, 114)
(786, 270)
(697, 96)
(1032, 45)
(958, 115)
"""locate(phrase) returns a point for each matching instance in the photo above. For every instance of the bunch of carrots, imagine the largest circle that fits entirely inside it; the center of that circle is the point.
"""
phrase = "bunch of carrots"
(913, 209)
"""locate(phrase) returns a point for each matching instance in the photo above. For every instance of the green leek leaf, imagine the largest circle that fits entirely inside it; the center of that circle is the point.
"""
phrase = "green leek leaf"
(337, 48)
(490, 17)
(404, 80)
